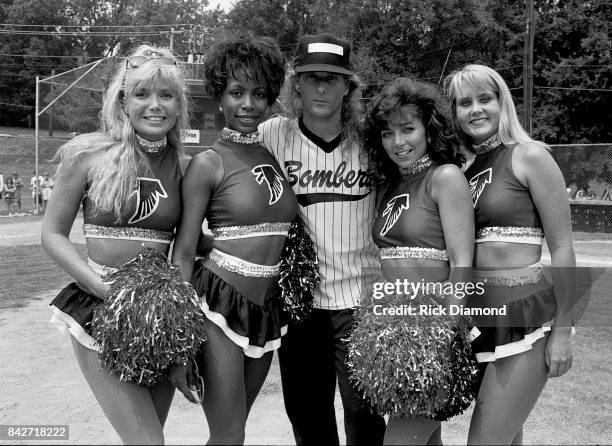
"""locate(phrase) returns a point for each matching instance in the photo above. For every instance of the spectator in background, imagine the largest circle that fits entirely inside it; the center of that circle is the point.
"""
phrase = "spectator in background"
(18, 186)
(1, 185)
(9, 196)
(35, 187)
(47, 189)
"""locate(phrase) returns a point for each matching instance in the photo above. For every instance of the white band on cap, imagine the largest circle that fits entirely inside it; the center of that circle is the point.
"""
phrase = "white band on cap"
(325, 48)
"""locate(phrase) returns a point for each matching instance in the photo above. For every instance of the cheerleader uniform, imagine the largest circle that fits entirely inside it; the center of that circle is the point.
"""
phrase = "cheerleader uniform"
(152, 217)
(407, 225)
(253, 199)
(505, 212)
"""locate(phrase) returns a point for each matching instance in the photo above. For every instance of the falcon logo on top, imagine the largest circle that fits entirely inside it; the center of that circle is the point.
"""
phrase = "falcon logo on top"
(268, 174)
(478, 183)
(150, 191)
(393, 210)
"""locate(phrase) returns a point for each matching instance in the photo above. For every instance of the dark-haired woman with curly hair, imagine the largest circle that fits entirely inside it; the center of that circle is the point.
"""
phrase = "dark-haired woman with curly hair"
(425, 225)
(242, 192)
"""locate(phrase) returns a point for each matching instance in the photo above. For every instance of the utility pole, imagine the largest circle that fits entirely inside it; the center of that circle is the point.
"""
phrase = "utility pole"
(51, 109)
(528, 67)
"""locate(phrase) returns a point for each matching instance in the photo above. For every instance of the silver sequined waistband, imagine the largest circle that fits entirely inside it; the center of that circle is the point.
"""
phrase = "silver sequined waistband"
(511, 277)
(246, 231)
(510, 234)
(413, 252)
(127, 233)
(242, 267)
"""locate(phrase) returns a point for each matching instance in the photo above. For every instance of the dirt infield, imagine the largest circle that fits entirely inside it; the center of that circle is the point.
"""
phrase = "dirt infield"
(42, 384)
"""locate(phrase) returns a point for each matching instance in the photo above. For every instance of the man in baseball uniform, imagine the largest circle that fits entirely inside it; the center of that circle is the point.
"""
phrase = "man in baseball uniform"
(319, 148)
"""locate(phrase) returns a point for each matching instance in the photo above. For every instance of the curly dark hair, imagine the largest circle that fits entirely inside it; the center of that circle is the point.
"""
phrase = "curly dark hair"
(429, 105)
(257, 58)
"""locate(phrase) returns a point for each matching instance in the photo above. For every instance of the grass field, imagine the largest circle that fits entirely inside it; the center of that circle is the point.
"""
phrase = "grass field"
(28, 271)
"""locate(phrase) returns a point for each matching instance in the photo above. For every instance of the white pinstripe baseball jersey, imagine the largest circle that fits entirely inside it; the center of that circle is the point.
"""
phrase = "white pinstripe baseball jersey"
(337, 204)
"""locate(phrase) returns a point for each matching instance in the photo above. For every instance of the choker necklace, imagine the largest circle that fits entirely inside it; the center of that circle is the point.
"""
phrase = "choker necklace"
(240, 138)
(152, 146)
(493, 142)
(421, 164)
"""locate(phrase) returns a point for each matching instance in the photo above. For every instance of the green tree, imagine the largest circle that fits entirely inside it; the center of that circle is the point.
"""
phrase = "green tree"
(55, 48)
(574, 51)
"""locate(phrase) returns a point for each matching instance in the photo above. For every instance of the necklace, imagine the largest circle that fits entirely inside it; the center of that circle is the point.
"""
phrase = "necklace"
(152, 146)
(240, 138)
(493, 142)
(421, 164)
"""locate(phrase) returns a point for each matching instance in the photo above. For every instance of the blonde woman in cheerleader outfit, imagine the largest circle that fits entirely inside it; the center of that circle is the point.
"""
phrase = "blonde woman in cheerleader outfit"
(519, 198)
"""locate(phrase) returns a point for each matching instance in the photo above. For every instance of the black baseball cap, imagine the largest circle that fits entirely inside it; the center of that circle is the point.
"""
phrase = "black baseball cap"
(323, 52)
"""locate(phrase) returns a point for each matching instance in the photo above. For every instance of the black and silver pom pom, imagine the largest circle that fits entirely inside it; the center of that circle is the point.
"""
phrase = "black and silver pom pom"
(299, 273)
(150, 320)
(412, 365)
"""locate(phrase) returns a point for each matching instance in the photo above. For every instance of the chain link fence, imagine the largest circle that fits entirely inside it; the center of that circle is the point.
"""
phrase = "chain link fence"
(587, 169)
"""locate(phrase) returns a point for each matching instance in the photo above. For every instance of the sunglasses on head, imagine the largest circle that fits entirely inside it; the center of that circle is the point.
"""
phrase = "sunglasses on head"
(148, 56)
(134, 62)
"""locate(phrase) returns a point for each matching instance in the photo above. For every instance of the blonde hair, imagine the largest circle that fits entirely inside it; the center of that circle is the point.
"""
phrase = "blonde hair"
(510, 129)
(352, 110)
(114, 177)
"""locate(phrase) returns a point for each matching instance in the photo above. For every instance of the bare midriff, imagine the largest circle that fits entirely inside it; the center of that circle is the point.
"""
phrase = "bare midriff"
(114, 252)
(503, 255)
(415, 270)
(263, 250)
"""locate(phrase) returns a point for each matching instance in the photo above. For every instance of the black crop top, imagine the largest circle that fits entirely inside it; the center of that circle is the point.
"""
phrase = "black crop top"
(253, 189)
(408, 216)
(503, 207)
(499, 199)
(157, 206)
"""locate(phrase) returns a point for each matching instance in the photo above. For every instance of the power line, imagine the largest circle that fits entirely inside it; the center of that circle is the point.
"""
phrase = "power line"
(48, 56)
(545, 87)
(16, 105)
(75, 33)
(99, 26)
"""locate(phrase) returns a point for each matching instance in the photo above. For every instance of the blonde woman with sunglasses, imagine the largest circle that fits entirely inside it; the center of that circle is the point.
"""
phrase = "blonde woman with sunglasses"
(128, 177)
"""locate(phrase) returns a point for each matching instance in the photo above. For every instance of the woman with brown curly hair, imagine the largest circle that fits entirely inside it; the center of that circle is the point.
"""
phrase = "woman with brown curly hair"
(424, 226)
